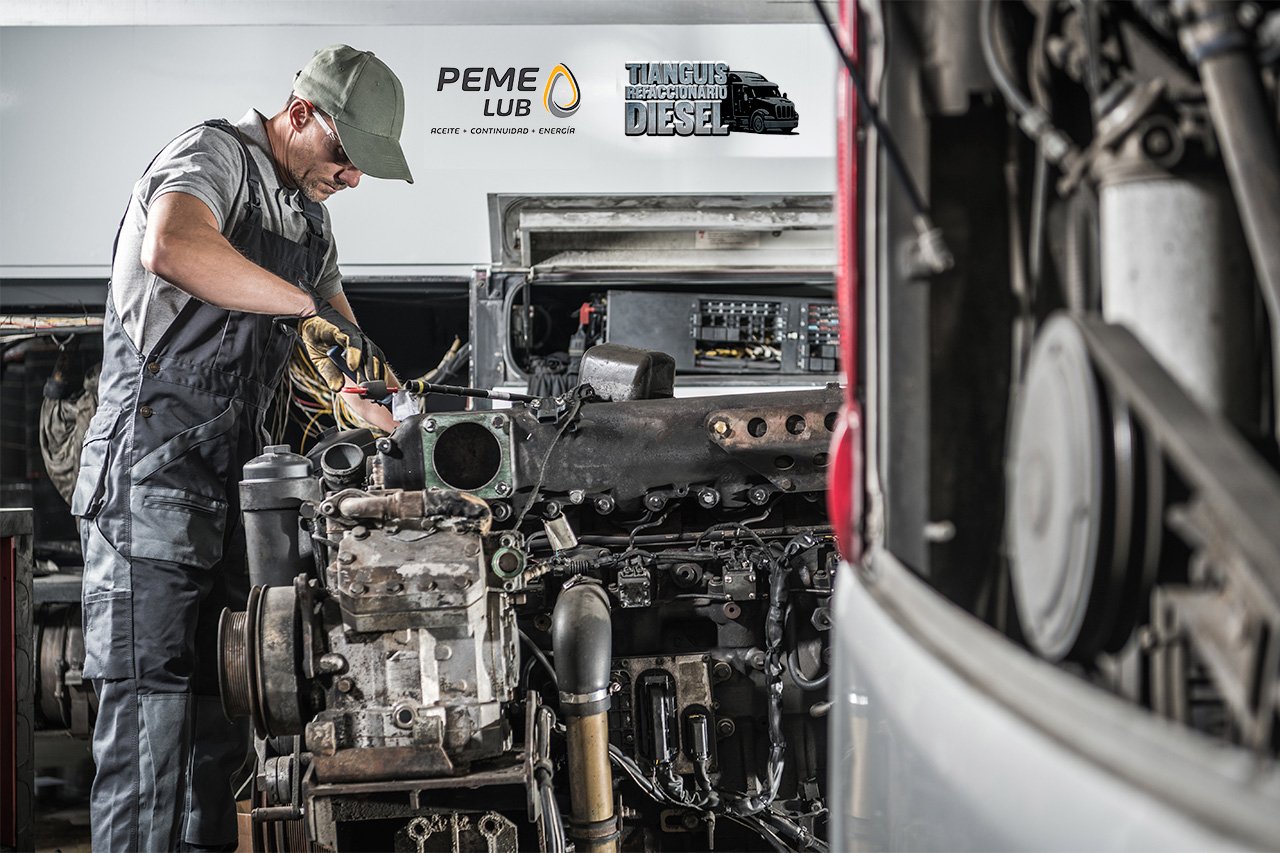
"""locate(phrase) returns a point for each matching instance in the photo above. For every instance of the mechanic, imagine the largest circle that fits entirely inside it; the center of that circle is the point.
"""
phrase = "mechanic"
(224, 246)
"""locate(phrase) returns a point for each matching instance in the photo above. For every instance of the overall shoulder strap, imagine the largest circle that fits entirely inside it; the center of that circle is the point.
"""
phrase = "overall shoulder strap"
(251, 176)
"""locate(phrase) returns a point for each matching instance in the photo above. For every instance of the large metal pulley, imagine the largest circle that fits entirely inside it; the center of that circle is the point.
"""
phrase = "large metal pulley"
(259, 662)
(1085, 491)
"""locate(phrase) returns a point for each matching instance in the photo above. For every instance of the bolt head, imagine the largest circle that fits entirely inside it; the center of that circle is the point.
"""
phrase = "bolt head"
(384, 445)
(503, 488)
(357, 589)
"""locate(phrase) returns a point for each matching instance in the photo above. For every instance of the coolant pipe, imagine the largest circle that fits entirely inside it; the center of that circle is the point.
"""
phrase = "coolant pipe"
(1214, 40)
(582, 638)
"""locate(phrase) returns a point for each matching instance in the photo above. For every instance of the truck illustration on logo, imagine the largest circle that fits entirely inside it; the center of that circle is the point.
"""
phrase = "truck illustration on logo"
(755, 104)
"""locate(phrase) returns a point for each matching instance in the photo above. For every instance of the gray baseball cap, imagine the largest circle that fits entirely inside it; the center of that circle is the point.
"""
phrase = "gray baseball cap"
(366, 101)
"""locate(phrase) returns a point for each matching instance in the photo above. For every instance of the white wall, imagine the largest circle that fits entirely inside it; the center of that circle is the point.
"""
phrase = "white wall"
(83, 109)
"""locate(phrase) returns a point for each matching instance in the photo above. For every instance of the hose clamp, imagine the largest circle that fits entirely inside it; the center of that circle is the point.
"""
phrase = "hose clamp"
(584, 698)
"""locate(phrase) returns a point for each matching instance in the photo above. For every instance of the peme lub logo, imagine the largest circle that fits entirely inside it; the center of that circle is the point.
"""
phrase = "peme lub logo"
(561, 74)
(515, 82)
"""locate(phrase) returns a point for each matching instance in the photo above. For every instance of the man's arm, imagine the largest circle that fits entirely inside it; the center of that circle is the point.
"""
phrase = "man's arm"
(379, 416)
(183, 246)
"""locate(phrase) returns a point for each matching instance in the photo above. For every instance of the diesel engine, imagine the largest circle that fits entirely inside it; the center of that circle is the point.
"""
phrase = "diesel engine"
(593, 621)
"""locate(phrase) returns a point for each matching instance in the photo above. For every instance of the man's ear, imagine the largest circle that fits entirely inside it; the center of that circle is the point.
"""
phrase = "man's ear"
(299, 113)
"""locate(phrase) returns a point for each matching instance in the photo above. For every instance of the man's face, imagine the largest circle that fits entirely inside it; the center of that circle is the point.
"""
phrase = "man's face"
(319, 166)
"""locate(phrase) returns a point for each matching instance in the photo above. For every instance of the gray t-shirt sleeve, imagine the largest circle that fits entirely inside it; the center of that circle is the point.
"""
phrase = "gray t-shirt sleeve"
(206, 163)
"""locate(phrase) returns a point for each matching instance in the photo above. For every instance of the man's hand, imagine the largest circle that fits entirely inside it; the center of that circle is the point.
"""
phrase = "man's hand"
(328, 328)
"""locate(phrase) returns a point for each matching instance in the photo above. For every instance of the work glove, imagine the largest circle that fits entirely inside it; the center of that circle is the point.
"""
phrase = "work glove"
(326, 329)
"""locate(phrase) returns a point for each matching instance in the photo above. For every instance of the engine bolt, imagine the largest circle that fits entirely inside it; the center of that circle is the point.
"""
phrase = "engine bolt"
(471, 549)
(331, 663)
(577, 496)
(655, 502)
(758, 495)
(356, 589)
(726, 728)
(721, 671)
(604, 504)
(384, 445)
(395, 587)
(344, 685)
(360, 532)
(429, 425)
(346, 558)
(503, 488)
(720, 426)
(708, 497)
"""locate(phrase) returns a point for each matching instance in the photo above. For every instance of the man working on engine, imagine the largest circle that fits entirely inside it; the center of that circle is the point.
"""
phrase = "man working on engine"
(224, 246)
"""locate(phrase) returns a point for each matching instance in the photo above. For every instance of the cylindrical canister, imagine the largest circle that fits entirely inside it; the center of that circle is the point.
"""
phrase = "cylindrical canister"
(274, 486)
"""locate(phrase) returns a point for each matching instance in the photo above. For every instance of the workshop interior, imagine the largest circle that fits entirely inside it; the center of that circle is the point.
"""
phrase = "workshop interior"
(822, 426)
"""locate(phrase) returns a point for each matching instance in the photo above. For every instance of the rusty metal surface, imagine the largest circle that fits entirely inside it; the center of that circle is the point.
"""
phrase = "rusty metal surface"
(507, 770)
(625, 451)
(390, 763)
(786, 444)
(410, 579)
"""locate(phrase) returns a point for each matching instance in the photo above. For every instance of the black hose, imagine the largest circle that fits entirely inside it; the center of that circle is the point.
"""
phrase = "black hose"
(1004, 81)
(582, 638)
(540, 657)
(798, 676)
(1033, 121)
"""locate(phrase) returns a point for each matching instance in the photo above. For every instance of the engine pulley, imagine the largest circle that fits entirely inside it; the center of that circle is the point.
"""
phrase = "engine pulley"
(259, 662)
(1055, 479)
(1085, 495)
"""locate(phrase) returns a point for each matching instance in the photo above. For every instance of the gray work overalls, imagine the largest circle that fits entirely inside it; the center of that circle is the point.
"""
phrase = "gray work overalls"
(160, 526)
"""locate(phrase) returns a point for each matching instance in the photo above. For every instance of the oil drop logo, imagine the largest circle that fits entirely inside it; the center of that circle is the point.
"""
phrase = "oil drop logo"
(553, 100)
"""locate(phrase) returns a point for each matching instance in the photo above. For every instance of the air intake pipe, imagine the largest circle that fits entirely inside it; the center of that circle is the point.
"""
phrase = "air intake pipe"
(581, 636)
